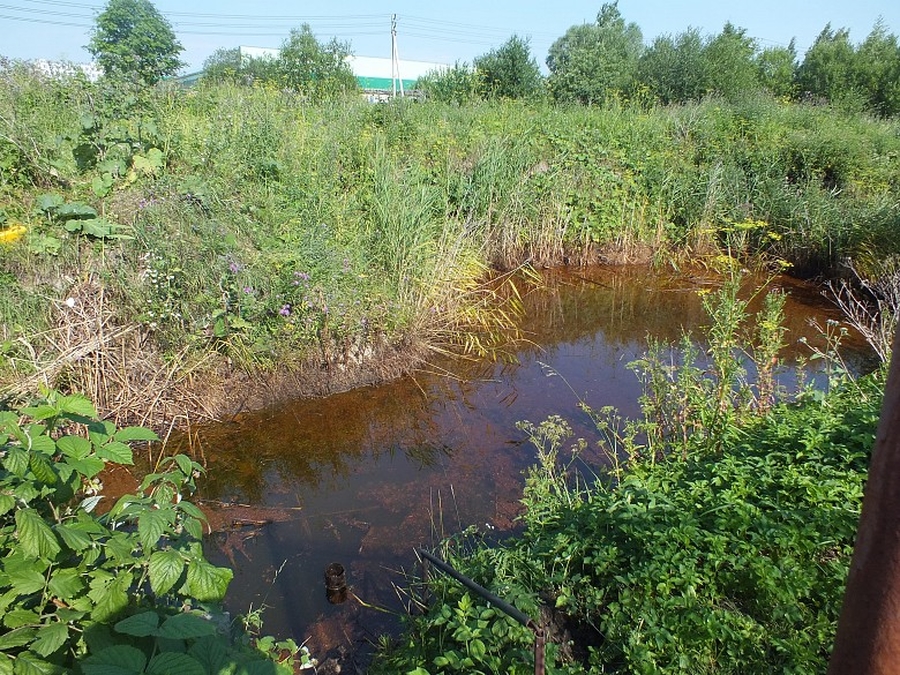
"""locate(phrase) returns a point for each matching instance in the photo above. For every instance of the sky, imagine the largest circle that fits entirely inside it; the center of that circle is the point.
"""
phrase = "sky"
(439, 32)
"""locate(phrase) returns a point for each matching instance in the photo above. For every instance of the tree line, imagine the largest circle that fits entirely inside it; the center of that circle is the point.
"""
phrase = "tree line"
(597, 63)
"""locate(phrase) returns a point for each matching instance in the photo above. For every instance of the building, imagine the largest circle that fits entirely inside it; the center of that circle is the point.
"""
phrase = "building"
(374, 74)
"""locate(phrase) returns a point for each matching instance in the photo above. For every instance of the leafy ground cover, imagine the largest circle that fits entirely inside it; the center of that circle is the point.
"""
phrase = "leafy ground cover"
(121, 589)
(721, 549)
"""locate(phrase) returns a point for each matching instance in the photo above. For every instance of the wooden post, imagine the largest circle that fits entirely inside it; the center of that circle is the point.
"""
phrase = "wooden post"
(868, 634)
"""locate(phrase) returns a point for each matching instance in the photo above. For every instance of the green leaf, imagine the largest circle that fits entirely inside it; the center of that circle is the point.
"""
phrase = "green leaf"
(116, 660)
(7, 503)
(206, 582)
(127, 434)
(16, 638)
(193, 527)
(40, 441)
(66, 583)
(21, 617)
(43, 469)
(76, 210)
(74, 447)
(35, 536)
(49, 201)
(74, 537)
(211, 653)
(152, 524)
(40, 412)
(6, 665)
(100, 432)
(77, 404)
(477, 649)
(96, 227)
(16, 461)
(191, 509)
(87, 467)
(28, 663)
(184, 464)
(166, 568)
(50, 638)
(110, 598)
(25, 580)
(185, 626)
(139, 625)
(114, 451)
(168, 663)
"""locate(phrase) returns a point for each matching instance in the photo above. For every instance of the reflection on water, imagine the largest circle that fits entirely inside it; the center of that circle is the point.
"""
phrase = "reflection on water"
(361, 478)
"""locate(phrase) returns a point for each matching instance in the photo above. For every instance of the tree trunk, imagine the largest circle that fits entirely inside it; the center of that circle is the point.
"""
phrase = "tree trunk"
(868, 635)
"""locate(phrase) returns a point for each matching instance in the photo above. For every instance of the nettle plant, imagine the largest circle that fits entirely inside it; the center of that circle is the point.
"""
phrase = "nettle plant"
(128, 591)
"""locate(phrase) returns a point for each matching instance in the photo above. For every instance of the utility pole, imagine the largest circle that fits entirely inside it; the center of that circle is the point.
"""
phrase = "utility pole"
(395, 60)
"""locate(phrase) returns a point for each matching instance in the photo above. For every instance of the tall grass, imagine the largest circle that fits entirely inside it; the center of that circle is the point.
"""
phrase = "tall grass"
(272, 232)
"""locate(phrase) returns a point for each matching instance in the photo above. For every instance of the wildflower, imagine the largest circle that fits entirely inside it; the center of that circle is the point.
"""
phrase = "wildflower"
(70, 302)
(248, 290)
(285, 310)
(234, 267)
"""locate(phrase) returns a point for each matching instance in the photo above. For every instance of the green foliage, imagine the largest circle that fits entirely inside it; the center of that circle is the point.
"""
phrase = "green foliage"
(674, 69)
(318, 71)
(728, 558)
(595, 63)
(776, 67)
(133, 41)
(230, 66)
(509, 71)
(729, 55)
(393, 211)
(827, 68)
(128, 589)
(458, 84)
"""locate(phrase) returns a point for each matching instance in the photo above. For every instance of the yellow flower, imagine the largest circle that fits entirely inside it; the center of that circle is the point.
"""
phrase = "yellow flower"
(12, 233)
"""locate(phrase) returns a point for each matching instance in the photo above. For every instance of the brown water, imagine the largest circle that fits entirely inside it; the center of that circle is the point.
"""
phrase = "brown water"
(363, 477)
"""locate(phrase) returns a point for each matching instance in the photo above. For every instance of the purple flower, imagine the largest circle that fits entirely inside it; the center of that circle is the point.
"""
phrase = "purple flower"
(285, 310)
(248, 290)
(234, 267)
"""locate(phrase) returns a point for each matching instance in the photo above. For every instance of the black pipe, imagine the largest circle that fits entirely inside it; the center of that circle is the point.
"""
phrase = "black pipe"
(540, 637)
(480, 590)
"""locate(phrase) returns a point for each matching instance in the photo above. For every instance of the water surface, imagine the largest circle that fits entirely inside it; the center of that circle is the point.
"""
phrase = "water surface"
(362, 477)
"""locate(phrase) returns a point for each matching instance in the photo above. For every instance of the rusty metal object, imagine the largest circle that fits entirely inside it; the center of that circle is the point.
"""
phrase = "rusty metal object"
(868, 635)
(335, 583)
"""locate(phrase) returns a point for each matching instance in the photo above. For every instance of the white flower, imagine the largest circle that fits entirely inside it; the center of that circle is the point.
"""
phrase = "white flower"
(70, 302)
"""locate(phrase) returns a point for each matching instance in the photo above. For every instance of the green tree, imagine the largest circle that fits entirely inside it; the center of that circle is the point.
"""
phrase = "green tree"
(229, 65)
(509, 71)
(876, 71)
(133, 41)
(319, 71)
(458, 84)
(828, 69)
(730, 67)
(674, 69)
(776, 70)
(595, 62)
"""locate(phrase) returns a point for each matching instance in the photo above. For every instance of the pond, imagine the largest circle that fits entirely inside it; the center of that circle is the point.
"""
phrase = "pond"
(363, 477)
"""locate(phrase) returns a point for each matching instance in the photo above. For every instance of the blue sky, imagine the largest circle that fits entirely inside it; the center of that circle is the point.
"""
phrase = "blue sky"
(441, 32)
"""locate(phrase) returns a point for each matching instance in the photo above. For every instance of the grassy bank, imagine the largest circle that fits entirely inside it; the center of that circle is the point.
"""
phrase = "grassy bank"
(205, 249)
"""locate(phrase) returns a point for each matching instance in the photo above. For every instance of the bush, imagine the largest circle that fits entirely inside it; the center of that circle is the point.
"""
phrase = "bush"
(83, 590)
